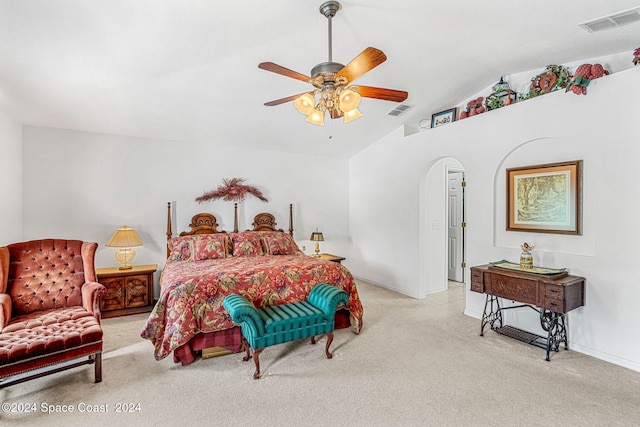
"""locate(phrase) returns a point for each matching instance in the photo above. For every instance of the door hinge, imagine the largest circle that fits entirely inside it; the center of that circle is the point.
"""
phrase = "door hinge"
(463, 225)
(463, 265)
(463, 184)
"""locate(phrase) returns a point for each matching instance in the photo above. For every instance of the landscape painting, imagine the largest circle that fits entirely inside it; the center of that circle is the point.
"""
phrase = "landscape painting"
(545, 198)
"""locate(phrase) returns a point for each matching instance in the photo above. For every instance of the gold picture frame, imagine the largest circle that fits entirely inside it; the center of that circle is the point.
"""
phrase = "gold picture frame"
(545, 198)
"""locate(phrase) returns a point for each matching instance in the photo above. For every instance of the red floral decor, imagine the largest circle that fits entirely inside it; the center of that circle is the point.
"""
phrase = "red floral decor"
(583, 76)
(232, 190)
(474, 107)
(636, 56)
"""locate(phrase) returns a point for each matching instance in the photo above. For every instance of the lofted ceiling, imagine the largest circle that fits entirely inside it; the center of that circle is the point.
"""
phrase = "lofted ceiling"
(187, 70)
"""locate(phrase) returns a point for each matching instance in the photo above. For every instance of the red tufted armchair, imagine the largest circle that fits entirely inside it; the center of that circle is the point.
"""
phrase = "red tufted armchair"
(49, 309)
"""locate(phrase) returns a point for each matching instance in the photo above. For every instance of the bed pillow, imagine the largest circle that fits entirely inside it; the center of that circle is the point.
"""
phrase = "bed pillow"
(210, 246)
(198, 247)
(279, 243)
(246, 243)
(180, 248)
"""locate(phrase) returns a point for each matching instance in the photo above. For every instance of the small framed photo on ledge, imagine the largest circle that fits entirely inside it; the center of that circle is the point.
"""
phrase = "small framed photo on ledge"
(444, 117)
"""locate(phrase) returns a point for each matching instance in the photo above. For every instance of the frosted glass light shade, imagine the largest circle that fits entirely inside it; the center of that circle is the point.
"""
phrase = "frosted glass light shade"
(316, 117)
(304, 103)
(352, 115)
(349, 100)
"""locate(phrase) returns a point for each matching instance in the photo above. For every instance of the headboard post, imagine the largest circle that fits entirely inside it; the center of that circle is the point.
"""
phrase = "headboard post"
(235, 217)
(291, 219)
(168, 225)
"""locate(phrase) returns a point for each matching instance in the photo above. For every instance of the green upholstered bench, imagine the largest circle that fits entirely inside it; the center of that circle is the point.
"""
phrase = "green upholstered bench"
(278, 324)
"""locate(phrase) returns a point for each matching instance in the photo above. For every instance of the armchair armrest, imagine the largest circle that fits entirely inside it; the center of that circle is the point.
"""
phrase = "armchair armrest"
(327, 298)
(91, 292)
(5, 310)
(242, 311)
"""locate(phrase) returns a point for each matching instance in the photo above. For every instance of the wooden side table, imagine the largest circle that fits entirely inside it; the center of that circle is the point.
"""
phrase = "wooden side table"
(128, 291)
(330, 257)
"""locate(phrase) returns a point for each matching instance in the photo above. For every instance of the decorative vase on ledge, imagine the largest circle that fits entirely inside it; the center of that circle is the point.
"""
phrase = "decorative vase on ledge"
(526, 259)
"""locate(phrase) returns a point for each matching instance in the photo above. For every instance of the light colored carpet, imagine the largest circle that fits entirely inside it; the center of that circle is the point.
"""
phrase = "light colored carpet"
(416, 363)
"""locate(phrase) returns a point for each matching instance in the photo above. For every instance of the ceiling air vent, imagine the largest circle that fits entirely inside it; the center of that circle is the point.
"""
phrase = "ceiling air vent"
(400, 110)
(612, 21)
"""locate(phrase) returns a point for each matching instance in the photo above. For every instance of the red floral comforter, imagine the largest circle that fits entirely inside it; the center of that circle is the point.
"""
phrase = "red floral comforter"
(192, 293)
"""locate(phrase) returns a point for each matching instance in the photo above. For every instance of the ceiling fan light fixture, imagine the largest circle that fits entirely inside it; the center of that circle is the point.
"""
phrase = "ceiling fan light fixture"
(331, 81)
(316, 117)
(349, 100)
(352, 115)
(304, 103)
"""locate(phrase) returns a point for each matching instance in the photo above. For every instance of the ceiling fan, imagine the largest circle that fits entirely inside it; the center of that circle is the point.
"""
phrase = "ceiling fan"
(332, 82)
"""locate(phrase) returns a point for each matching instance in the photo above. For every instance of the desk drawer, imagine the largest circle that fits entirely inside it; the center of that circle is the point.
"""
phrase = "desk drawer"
(554, 291)
(477, 281)
(554, 298)
(556, 305)
(513, 288)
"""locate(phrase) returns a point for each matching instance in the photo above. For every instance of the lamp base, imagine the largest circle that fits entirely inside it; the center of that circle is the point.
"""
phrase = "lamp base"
(125, 258)
(317, 255)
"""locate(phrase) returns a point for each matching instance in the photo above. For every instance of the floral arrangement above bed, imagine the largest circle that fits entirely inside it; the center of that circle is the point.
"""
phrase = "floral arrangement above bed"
(232, 190)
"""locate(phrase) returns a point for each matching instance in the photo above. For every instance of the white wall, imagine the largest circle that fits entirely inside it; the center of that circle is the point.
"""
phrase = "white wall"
(389, 209)
(85, 185)
(11, 179)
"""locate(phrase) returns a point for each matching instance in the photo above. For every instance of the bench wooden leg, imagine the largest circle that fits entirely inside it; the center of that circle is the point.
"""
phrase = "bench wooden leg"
(247, 348)
(329, 341)
(256, 360)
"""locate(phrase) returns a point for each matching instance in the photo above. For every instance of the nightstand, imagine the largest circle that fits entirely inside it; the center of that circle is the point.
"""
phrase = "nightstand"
(128, 291)
(330, 257)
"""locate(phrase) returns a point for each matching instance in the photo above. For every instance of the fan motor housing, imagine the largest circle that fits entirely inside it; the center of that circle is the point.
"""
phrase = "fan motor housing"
(326, 68)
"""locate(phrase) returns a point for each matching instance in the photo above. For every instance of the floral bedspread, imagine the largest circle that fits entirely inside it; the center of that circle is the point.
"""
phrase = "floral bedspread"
(192, 292)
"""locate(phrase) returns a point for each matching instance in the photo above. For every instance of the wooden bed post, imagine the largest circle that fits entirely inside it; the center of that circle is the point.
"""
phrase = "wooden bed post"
(291, 219)
(168, 225)
(235, 217)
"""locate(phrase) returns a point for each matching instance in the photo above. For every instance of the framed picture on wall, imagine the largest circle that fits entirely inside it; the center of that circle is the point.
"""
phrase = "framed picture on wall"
(443, 117)
(545, 198)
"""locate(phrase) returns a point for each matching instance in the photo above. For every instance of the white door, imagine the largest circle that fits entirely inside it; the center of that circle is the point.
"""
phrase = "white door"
(455, 232)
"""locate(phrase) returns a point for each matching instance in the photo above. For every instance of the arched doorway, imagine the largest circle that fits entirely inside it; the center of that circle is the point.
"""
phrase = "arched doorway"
(437, 211)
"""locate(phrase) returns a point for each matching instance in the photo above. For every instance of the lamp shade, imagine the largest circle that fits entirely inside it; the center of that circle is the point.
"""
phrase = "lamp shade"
(124, 237)
(317, 236)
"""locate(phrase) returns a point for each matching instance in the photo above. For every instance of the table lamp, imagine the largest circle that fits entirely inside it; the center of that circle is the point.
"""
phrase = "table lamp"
(124, 237)
(317, 236)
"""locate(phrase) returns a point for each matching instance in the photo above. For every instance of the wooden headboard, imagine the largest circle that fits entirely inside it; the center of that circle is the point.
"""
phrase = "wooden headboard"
(205, 223)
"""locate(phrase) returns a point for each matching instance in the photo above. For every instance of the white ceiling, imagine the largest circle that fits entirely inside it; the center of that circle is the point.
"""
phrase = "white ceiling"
(187, 70)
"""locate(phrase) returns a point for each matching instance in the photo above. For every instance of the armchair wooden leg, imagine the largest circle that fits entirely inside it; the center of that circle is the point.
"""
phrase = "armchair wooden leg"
(98, 367)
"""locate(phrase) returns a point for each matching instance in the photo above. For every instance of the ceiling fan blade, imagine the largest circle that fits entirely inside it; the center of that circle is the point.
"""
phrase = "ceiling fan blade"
(382, 93)
(283, 100)
(278, 69)
(366, 61)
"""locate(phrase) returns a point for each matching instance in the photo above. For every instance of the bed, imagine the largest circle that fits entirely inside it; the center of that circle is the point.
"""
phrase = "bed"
(204, 265)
